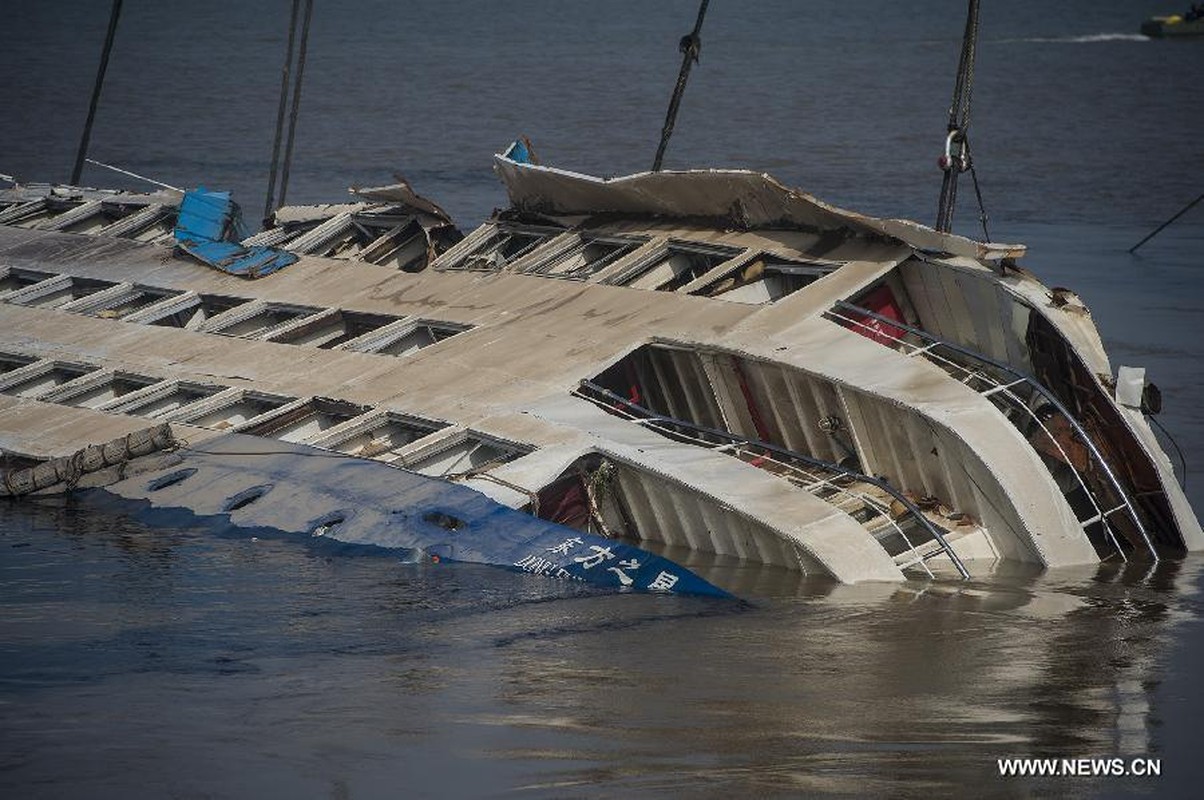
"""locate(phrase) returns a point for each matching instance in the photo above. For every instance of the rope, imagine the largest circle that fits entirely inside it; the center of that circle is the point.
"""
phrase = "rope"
(959, 123)
(1158, 230)
(691, 47)
(132, 175)
(69, 470)
(269, 206)
(603, 475)
(75, 470)
(982, 209)
(479, 472)
(963, 88)
(292, 122)
(1171, 439)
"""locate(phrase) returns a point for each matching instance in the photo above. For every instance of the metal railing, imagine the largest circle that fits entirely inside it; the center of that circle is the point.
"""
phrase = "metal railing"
(816, 472)
(1001, 391)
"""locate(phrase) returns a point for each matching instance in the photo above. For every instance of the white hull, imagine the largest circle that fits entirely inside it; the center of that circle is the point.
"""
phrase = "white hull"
(781, 434)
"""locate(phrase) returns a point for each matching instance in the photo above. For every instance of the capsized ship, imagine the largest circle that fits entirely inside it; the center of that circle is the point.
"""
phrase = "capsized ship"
(705, 365)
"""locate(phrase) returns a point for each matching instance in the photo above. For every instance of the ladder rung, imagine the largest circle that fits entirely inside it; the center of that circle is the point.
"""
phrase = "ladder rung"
(1002, 387)
(1103, 515)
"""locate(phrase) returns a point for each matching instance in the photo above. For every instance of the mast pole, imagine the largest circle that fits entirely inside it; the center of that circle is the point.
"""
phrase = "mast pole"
(691, 47)
(956, 158)
(82, 153)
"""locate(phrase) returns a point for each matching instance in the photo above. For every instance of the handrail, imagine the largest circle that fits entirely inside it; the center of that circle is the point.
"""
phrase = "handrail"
(650, 417)
(1017, 403)
(1036, 386)
(799, 472)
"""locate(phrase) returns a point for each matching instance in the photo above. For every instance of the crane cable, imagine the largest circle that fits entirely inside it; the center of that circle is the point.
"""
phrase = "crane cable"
(271, 204)
(269, 207)
(81, 154)
(292, 122)
(690, 46)
(956, 158)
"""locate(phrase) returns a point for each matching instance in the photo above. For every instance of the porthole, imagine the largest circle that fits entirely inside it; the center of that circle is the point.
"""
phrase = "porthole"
(445, 521)
(245, 498)
(170, 479)
(327, 525)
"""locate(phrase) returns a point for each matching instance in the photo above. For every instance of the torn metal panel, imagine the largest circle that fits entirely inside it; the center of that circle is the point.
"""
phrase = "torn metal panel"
(402, 193)
(390, 225)
(738, 198)
(206, 224)
(246, 262)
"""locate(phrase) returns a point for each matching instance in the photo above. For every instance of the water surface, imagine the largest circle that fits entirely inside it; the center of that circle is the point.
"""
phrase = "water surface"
(169, 663)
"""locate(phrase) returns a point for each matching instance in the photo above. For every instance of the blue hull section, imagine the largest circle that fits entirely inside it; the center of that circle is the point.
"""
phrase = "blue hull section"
(257, 485)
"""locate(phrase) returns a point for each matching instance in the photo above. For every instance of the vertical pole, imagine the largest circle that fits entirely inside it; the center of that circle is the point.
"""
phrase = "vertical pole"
(82, 153)
(292, 122)
(269, 206)
(691, 46)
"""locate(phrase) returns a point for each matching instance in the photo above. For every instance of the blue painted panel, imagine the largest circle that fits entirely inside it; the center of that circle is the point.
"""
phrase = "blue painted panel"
(205, 216)
(518, 152)
(246, 262)
(207, 220)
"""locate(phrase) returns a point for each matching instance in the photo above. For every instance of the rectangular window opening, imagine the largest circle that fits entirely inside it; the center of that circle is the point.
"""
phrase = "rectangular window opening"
(53, 376)
(504, 244)
(12, 361)
(169, 399)
(587, 258)
(272, 316)
(306, 420)
(673, 266)
(333, 330)
(382, 436)
(58, 290)
(472, 452)
(392, 240)
(239, 409)
(423, 334)
(94, 394)
(134, 301)
(197, 311)
(12, 278)
(765, 279)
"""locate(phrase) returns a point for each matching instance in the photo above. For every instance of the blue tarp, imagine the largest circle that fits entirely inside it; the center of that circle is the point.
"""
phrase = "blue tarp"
(209, 228)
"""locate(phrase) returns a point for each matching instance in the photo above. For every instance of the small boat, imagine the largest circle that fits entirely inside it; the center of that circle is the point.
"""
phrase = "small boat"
(1173, 25)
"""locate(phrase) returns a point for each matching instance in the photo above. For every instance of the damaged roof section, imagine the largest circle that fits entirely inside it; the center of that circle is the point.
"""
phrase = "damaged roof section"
(388, 225)
(737, 199)
(654, 256)
(145, 217)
